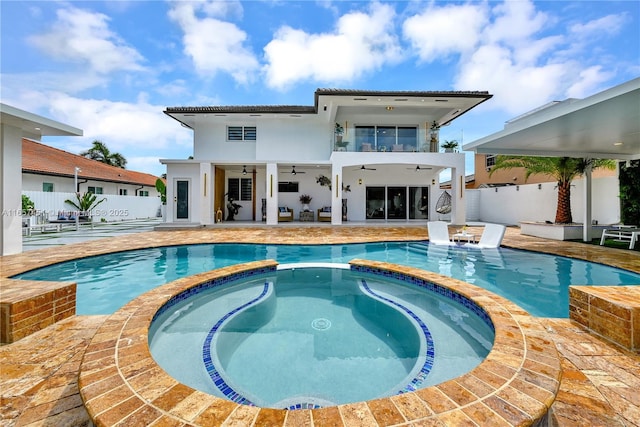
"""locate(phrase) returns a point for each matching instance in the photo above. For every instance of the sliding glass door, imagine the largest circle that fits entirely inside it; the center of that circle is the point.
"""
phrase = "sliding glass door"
(391, 203)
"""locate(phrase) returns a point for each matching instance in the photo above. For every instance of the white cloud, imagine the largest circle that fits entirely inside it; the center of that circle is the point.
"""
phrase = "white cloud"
(588, 82)
(84, 37)
(608, 25)
(214, 45)
(136, 130)
(516, 87)
(444, 31)
(515, 23)
(362, 42)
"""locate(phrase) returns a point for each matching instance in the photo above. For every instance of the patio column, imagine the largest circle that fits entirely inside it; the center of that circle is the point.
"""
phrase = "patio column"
(272, 193)
(10, 201)
(586, 227)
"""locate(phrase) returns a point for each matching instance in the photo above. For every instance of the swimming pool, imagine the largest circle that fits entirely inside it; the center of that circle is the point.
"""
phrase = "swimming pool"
(307, 336)
(537, 282)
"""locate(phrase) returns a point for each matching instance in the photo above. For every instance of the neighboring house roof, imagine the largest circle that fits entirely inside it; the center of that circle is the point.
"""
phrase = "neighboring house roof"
(41, 159)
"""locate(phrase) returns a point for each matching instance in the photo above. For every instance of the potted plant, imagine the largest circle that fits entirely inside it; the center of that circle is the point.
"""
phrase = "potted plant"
(450, 146)
(161, 187)
(305, 199)
(85, 203)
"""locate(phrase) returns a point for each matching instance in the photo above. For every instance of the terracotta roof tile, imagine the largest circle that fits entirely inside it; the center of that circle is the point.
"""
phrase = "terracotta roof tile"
(42, 159)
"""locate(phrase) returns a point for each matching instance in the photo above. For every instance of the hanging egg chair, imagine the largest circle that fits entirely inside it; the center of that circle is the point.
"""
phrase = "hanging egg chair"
(443, 205)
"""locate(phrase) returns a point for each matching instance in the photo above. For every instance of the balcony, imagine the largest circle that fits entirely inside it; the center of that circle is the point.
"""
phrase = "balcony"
(372, 147)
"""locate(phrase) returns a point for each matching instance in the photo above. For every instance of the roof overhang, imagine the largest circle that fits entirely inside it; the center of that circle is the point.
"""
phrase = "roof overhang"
(439, 106)
(34, 126)
(605, 125)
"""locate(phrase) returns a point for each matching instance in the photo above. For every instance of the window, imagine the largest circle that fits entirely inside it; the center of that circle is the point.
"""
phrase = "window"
(246, 189)
(287, 187)
(384, 138)
(123, 191)
(241, 133)
(240, 189)
(94, 190)
(143, 193)
(47, 187)
(489, 161)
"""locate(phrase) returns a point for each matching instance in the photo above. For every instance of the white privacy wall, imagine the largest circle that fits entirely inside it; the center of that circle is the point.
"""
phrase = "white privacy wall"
(514, 204)
(114, 208)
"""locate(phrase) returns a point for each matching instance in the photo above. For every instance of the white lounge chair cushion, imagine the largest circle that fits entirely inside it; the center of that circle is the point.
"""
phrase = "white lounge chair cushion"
(439, 233)
(492, 236)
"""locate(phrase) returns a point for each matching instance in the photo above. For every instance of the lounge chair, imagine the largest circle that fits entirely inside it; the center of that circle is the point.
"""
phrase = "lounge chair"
(621, 234)
(439, 233)
(492, 236)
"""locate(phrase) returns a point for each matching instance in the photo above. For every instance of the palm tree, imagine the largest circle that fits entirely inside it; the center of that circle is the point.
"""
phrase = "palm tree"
(563, 169)
(101, 153)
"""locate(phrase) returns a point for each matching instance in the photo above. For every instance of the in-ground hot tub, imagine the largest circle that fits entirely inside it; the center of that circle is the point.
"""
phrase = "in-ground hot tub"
(516, 383)
(308, 336)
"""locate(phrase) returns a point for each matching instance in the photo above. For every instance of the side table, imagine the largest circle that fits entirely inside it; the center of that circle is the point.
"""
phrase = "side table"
(308, 216)
(464, 236)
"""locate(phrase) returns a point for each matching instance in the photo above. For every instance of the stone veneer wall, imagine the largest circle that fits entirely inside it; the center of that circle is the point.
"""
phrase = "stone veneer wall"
(613, 312)
(28, 306)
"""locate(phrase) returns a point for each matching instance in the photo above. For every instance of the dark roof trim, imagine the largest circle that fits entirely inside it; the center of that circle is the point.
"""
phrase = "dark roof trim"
(353, 92)
(256, 109)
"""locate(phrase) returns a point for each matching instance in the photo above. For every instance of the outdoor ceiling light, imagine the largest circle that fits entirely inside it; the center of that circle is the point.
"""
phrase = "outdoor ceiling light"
(618, 143)
(389, 108)
(244, 170)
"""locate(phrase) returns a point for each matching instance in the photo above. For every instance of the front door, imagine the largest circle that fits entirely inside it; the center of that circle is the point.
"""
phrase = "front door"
(181, 200)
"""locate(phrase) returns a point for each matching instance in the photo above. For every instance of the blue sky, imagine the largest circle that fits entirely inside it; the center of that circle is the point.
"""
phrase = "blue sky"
(111, 67)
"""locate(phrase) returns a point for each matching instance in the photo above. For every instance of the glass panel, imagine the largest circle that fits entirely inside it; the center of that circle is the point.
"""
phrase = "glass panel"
(375, 203)
(182, 198)
(234, 133)
(365, 138)
(245, 189)
(419, 202)
(386, 138)
(397, 203)
(47, 187)
(233, 188)
(250, 133)
(408, 138)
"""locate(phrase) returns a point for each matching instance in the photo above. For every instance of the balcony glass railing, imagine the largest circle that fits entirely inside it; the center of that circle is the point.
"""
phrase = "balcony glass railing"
(388, 148)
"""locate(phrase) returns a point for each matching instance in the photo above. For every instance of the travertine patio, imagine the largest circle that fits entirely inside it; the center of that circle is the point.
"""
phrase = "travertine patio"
(39, 373)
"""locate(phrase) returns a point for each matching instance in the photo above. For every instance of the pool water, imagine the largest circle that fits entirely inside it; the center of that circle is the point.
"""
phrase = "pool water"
(315, 337)
(537, 282)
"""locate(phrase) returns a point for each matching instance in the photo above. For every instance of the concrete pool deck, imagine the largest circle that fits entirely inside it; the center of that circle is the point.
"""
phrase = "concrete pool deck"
(39, 379)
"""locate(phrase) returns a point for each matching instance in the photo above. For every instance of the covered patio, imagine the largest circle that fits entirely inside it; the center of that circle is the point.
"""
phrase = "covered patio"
(603, 126)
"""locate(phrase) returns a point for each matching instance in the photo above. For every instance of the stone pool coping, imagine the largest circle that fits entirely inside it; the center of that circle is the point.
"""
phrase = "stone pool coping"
(515, 385)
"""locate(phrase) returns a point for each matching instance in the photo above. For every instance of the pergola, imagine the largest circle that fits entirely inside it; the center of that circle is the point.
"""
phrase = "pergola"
(605, 125)
(14, 125)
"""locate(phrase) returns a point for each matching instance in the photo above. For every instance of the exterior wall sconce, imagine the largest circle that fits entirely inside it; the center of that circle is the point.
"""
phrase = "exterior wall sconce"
(496, 189)
(517, 188)
(539, 186)
(433, 182)
(244, 170)
(359, 181)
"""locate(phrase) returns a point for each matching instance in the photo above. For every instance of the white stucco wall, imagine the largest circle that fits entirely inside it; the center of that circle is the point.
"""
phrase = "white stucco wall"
(513, 204)
(277, 139)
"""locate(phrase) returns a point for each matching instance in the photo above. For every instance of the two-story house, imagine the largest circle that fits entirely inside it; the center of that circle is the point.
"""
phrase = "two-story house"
(362, 155)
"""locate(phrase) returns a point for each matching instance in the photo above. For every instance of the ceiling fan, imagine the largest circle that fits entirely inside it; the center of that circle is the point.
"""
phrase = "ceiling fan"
(418, 169)
(364, 168)
(294, 172)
